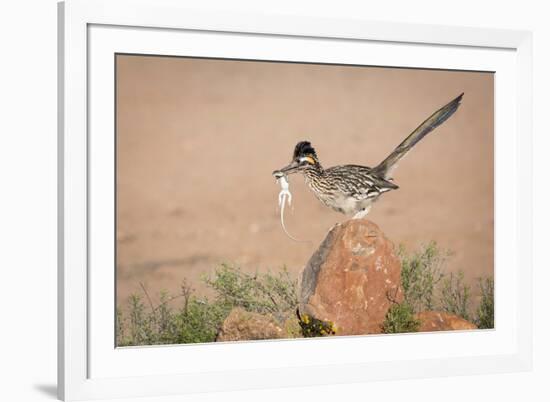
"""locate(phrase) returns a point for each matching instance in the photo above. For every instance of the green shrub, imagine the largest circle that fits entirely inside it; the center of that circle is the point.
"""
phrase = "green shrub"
(427, 287)
(486, 309)
(120, 327)
(399, 319)
(200, 322)
(260, 293)
(420, 274)
(196, 322)
(140, 322)
(455, 296)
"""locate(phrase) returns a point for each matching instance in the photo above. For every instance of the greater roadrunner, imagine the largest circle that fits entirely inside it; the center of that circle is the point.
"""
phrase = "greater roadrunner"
(352, 189)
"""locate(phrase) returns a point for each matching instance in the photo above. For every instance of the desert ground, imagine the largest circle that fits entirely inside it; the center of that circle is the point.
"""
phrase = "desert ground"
(197, 141)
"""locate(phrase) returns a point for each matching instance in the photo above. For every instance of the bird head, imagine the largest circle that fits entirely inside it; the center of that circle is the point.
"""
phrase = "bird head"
(303, 157)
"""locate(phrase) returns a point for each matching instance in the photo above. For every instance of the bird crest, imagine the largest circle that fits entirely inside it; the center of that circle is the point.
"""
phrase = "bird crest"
(304, 149)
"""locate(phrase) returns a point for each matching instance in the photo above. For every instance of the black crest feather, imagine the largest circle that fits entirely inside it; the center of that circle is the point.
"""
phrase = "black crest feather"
(303, 148)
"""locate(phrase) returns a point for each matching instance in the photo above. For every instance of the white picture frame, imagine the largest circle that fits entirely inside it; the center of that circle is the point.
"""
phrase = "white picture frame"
(90, 367)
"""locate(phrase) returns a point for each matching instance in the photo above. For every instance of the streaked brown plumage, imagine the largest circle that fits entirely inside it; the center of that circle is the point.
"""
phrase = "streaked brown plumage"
(351, 189)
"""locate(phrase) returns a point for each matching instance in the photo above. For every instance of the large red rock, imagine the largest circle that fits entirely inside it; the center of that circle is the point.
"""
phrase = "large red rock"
(441, 321)
(352, 279)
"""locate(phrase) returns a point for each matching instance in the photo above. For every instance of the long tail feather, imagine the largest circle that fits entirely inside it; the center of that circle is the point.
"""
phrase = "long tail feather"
(385, 168)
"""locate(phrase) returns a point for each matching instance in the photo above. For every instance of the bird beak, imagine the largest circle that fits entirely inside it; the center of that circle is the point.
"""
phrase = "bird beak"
(290, 168)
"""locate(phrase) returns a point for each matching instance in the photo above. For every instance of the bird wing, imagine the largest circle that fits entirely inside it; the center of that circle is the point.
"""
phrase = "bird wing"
(360, 182)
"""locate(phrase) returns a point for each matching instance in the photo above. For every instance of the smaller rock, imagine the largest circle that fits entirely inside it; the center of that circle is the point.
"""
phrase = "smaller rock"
(441, 321)
(242, 325)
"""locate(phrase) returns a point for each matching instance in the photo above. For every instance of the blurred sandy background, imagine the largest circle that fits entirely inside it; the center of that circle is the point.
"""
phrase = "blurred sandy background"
(197, 141)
